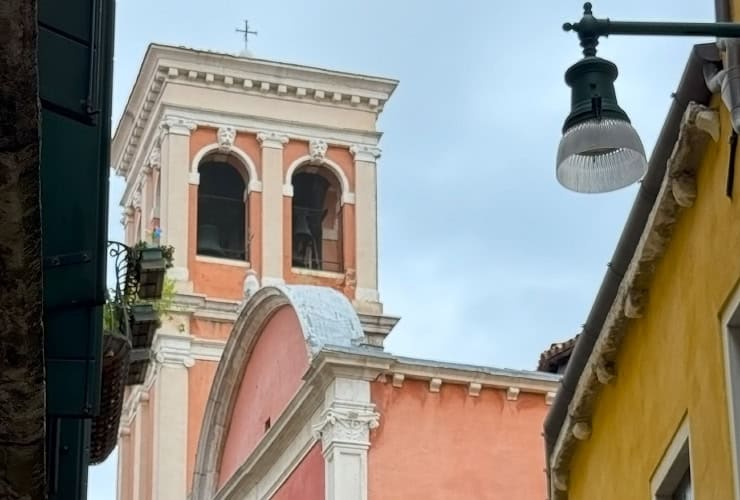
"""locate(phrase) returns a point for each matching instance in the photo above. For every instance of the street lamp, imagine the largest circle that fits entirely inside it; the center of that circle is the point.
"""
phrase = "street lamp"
(600, 151)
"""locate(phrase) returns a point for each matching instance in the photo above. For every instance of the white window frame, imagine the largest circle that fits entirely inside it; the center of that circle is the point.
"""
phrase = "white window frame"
(673, 466)
(731, 348)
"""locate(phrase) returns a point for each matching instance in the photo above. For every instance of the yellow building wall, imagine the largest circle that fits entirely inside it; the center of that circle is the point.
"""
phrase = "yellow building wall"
(671, 361)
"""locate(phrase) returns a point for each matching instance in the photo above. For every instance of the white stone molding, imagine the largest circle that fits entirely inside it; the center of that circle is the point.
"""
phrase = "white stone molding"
(317, 150)
(254, 184)
(435, 384)
(347, 195)
(346, 423)
(363, 152)
(273, 140)
(225, 137)
(398, 379)
(474, 389)
(177, 125)
(512, 393)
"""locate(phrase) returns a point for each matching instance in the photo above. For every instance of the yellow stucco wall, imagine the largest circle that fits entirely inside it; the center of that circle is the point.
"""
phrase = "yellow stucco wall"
(671, 362)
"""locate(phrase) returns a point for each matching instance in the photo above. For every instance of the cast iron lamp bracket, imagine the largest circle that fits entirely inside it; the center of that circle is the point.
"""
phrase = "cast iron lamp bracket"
(590, 28)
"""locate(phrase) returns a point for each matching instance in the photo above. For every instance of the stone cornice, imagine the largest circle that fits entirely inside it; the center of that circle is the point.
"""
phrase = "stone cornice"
(676, 194)
(163, 64)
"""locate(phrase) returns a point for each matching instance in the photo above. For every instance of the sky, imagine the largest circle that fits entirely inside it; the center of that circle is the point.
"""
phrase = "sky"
(484, 256)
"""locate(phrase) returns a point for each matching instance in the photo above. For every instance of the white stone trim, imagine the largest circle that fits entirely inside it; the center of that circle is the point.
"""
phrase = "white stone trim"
(732, 383)
(347, 195)
(221, 261)
(253, 184)
(317, 272)
(676, 460)
(435, 384)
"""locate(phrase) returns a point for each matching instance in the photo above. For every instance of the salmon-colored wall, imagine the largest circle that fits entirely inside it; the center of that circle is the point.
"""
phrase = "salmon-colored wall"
(223, 280)
(271, 378)
(306, 482)
(200, 378)
(439, 446)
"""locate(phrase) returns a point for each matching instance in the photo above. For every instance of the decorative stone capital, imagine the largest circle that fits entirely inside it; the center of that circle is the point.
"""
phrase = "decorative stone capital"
(346, 424)
(177, 126)
(363, 152)
(226, 137)
(174, 350)
(272, 140)
(317, 150)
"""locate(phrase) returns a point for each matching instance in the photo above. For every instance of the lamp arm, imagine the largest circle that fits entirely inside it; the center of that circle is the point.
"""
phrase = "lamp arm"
(590, 28)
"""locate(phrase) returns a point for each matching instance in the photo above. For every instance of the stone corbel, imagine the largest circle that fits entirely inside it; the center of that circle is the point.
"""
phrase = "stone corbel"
(363, 152)
(634, 304)
(582, 431)
(155, 158)
(684, 190)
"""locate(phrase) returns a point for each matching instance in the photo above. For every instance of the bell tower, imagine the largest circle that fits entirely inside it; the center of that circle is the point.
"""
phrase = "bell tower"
(257, 173)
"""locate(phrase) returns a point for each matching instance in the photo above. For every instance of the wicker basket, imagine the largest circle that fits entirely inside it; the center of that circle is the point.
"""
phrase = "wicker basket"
(104, 434)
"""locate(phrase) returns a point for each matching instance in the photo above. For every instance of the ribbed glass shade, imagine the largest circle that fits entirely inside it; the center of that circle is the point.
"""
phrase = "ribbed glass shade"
(597, 156)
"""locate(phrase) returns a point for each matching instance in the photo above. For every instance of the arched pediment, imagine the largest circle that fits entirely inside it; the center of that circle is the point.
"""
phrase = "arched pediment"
(324, 317)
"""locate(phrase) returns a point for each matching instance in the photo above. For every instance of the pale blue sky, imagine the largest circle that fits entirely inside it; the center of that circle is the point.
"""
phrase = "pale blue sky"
(483, 255)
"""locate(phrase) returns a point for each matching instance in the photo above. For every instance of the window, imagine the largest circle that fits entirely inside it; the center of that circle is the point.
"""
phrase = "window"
(317, 220)
(672, 478)
(222, 212)
(731, 341)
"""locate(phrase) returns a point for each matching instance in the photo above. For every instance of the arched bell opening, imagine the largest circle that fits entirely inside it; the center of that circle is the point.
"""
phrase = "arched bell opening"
(222, 208)
(317, 220)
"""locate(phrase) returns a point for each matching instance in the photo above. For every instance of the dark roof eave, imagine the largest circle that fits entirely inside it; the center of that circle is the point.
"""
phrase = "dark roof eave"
(691, 88)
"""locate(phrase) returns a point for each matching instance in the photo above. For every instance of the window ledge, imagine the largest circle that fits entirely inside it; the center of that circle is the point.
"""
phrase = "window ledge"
(317, 273)
(222, 261)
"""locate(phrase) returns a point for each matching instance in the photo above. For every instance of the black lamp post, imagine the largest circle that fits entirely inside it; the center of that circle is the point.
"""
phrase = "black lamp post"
(600, 151)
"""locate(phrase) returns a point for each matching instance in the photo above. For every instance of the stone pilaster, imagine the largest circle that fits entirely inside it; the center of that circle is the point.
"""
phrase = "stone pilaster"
(175, 160)
(272, 206)
(366, 227)
(171, 419)
(344, 430)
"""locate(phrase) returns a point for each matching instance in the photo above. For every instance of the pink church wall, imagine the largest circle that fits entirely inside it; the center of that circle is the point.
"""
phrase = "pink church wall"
(438, 446)
(272, 376)
(306, 482)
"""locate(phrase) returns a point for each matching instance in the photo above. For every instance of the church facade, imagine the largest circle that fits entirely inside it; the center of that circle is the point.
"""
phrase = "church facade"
(269, 379)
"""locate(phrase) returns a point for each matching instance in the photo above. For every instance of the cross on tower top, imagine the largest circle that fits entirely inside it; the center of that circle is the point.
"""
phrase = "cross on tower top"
(246, 32)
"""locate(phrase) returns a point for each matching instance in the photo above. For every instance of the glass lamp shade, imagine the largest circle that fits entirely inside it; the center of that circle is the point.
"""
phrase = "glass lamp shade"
(600, 155)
